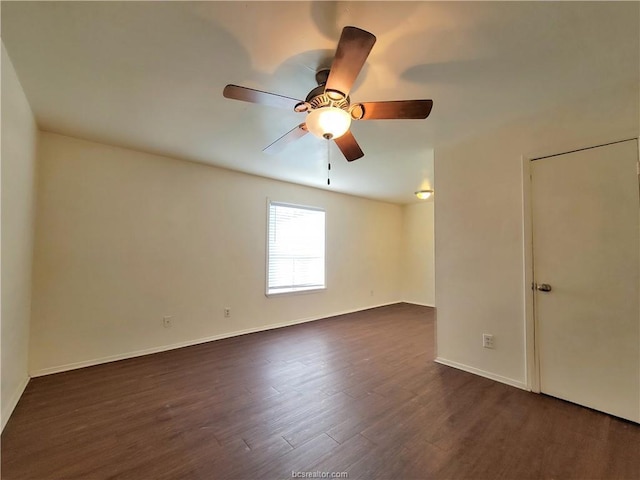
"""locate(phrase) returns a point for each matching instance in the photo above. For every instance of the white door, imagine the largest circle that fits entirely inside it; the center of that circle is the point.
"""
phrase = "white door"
(586, 248)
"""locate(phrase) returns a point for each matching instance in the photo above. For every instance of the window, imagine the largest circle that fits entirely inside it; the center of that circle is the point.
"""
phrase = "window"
(295, 251)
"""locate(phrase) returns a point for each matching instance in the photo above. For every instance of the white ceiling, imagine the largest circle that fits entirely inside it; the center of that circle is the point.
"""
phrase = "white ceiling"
(149, 76)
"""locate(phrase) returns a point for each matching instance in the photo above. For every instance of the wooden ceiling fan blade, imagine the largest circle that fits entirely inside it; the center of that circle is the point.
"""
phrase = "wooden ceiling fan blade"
(289, 137)
(245, 94)
(349, 147)
(397, 109)
(352, 52)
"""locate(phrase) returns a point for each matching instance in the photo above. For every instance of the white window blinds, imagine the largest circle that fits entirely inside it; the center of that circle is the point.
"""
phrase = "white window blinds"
(295, 253)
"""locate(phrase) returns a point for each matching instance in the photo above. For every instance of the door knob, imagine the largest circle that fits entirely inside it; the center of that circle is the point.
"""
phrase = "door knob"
(543, 287)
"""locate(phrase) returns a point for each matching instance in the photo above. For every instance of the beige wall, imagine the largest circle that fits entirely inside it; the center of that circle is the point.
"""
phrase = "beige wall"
(125, 238)
(418, 273)
(479, 227)
(19, 137)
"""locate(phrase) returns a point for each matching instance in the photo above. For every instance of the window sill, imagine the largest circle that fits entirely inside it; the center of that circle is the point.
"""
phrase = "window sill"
(296, 291)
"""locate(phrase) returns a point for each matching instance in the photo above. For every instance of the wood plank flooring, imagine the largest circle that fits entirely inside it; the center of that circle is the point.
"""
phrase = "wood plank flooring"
(357, 393)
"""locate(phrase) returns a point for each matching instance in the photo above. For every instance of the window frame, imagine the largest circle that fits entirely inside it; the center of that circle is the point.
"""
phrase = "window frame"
(267, 256)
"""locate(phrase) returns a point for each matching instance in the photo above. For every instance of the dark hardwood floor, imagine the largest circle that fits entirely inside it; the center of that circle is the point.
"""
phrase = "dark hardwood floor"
(357, 393)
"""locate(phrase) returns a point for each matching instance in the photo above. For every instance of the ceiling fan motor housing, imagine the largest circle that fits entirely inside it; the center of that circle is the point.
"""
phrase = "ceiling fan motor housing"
(318, 98)
(321, 97)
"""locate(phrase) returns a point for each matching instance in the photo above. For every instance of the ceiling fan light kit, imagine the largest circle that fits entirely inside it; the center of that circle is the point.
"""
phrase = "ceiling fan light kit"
(328, 106)
(328, 122)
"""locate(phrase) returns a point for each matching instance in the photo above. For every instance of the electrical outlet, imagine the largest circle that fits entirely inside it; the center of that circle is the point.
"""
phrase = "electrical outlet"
(372, 293)
(487, 340)
(167, 321)
(227, 312)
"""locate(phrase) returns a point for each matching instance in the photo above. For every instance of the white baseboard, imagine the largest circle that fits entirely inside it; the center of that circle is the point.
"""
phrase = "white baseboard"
(7, 409)
(483, 373)
(419, 303)
(188, 343)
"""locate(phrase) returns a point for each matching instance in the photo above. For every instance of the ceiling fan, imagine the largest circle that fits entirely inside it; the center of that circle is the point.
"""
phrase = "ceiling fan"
(328, 106)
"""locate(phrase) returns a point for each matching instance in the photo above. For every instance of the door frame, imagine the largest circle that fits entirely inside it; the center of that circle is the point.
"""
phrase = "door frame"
(532, 357)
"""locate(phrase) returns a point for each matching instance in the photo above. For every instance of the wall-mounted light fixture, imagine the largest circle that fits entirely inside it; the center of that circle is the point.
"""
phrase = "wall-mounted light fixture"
(424, 194)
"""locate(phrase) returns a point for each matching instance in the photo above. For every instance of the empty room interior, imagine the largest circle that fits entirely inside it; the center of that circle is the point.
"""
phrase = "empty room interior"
(271, 240)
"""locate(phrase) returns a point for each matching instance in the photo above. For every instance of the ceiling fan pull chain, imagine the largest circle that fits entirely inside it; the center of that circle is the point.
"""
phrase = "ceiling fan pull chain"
(328, 162)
